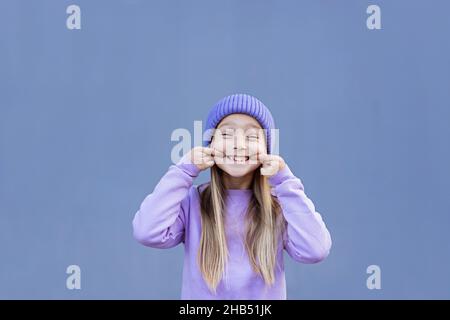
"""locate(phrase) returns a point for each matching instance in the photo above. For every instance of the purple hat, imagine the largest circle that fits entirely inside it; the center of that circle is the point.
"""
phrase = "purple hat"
(241, 103)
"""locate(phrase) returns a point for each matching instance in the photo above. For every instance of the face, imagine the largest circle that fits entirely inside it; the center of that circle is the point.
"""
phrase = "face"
(240, 138)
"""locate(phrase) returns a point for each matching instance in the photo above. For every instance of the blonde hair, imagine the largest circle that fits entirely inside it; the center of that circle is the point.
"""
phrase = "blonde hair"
(264, 224)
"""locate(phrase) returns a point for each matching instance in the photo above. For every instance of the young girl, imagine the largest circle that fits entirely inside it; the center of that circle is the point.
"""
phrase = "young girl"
(235, 227)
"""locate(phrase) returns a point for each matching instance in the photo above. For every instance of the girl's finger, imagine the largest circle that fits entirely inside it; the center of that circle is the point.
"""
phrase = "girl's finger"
(207, 158)
(218, 153)
(266, 171)
(219, 158)
(207, 150)
(275, 165)
(270, 166)
(263, 157)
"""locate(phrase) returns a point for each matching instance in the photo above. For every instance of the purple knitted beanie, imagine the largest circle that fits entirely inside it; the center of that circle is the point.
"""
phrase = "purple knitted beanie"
(241, 103)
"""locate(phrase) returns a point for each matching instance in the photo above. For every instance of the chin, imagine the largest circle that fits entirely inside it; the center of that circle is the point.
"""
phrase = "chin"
(238, 170)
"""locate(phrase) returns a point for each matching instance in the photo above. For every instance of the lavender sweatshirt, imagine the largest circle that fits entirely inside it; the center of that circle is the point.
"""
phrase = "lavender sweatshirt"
(171, 215)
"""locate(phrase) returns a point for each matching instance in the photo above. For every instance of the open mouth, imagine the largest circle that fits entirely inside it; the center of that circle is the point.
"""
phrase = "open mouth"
(238, 159)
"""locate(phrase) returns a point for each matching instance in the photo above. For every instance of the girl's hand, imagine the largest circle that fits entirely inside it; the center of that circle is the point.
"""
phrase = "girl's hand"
(202, 157)
(271, 164)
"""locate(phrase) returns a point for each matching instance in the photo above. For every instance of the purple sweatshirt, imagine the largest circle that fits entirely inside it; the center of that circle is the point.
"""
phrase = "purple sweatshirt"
(171, 215)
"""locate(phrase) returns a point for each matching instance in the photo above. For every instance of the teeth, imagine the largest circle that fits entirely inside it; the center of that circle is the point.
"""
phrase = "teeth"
(238, 159)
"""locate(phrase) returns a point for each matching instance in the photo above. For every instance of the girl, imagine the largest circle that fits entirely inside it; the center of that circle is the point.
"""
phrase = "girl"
(235, 227)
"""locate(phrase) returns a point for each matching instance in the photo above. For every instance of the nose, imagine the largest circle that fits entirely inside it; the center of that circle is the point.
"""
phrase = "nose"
(239, 142)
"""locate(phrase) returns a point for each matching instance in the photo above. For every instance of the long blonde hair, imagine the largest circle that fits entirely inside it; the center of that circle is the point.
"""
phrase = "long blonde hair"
(264, 224)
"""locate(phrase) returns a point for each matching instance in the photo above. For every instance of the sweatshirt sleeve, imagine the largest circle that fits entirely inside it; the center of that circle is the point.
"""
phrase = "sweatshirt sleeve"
(160, 220)
(306, 239)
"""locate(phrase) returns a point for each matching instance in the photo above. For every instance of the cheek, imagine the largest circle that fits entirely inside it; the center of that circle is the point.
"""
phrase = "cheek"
(224, 145)
(218, 144)
(256, 147)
